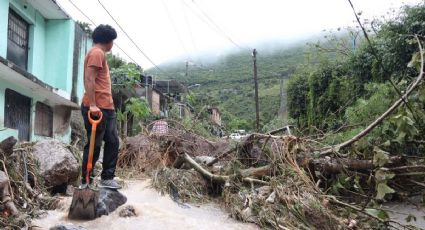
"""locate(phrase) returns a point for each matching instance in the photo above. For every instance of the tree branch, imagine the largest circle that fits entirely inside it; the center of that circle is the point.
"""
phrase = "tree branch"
(218, 178)
(328, 150)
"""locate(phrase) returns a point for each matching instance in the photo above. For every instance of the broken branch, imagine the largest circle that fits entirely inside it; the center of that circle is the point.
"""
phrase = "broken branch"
(328, 150)
(218, 178)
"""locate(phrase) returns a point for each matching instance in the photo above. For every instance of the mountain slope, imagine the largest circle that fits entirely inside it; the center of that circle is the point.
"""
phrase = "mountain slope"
(228, 82)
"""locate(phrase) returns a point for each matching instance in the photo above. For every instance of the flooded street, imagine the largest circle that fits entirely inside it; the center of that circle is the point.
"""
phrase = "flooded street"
(400, 211)
(153, 212)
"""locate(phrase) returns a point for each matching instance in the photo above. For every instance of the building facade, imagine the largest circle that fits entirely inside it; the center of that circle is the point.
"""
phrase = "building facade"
(41, 69)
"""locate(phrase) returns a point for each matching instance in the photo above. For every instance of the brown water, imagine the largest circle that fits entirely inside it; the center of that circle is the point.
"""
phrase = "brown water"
(154, 212)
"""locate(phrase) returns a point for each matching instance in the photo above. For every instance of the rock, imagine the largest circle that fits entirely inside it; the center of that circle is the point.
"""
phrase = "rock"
(7, 145)
(128, 211)
(58, 166)
(69, 190)
(204, 159)
(109, 201)
(67, 227)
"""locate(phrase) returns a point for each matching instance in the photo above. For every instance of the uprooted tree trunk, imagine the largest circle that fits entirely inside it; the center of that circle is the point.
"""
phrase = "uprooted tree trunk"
(223, 178)
(333, 166)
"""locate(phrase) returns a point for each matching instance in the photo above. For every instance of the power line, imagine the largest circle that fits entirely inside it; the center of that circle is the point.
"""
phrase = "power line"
(128, 36)
(175, 28)
(217, 27)
(76, 7)
(188, 26)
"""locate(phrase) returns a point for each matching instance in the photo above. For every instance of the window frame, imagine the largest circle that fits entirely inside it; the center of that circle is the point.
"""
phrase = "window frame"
(43, 122)
(25, 35)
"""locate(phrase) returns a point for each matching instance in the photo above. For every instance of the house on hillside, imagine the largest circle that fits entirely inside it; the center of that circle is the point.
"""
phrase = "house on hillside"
(42, 52)
(161, 94)
(173, 95)
(215, 115)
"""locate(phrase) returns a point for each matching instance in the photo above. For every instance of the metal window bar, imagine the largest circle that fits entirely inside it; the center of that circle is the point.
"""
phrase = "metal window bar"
(18, 30)
(17, 34)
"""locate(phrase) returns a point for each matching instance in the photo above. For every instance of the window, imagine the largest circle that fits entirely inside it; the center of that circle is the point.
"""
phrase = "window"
(18, 113)
(43, 120)
(17, 40)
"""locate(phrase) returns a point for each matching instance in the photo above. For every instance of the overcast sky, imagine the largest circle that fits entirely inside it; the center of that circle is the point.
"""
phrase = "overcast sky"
(171, 29)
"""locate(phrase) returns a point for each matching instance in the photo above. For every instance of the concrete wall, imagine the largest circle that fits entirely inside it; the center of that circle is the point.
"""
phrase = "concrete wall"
(51, 44)
(85, 44)
(61, 116)
(50, 59)
(4, 9)
(59, 50)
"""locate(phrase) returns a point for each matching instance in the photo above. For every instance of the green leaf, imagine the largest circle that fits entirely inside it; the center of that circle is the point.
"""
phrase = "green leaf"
(381, 214)
(400, 137)
(383, 176)
(382, 189)
(381, 157)
(387, 143)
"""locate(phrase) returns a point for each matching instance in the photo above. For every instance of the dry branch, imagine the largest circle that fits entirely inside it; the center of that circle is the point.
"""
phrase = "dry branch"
(257, 172)
(213, 177)
(328, 150)
(221, 156)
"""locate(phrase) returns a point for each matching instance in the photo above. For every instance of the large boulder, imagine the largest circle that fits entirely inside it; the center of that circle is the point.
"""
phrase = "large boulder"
(58, 165)
(109, 201)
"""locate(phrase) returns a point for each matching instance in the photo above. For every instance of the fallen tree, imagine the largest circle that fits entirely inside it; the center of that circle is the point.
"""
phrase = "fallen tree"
(335, 148)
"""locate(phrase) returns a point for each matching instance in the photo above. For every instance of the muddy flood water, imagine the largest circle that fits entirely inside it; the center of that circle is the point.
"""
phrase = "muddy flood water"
(153, 212)
(400, 211)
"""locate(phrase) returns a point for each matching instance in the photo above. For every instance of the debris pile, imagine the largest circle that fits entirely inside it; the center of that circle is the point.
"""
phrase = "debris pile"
(182, 185)
(22, 186)
(273, 181)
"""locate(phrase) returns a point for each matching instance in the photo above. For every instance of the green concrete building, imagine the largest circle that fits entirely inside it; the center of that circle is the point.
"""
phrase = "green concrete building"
(41, 69)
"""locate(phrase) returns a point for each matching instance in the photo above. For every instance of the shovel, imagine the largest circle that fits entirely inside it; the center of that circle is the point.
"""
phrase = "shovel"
(85, 198)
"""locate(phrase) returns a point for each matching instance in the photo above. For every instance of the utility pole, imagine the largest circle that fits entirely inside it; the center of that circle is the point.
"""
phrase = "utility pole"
(187, 69)
(282, 109)
(257, 110)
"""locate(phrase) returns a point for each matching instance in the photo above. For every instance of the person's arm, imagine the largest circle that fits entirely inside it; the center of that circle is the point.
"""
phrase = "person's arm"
(89, 85)
(94, 65)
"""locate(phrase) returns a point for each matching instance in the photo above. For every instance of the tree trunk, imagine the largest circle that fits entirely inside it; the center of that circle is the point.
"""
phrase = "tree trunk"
(124, 127)
(217, 178)
(333, 166)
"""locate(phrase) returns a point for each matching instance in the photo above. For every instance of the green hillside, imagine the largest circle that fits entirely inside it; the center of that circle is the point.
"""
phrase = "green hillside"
(228, 82)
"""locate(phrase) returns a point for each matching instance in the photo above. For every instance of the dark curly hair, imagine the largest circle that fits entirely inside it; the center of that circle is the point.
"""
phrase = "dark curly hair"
(104, 34)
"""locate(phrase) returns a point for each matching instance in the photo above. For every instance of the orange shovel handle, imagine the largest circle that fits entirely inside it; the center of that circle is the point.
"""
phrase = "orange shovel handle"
(94, 124)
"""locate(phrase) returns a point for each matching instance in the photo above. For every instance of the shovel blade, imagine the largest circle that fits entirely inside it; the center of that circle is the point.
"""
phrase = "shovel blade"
(83, 206)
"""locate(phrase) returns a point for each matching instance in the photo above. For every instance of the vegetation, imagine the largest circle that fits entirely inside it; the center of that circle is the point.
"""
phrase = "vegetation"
(335, 89)
(228, 83)
(349, 93)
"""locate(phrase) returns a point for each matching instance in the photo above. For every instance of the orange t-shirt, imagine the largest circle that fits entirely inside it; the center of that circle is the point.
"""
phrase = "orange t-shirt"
(103, 89)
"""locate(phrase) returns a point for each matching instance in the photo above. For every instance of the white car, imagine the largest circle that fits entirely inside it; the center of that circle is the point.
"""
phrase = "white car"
(235, 136)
